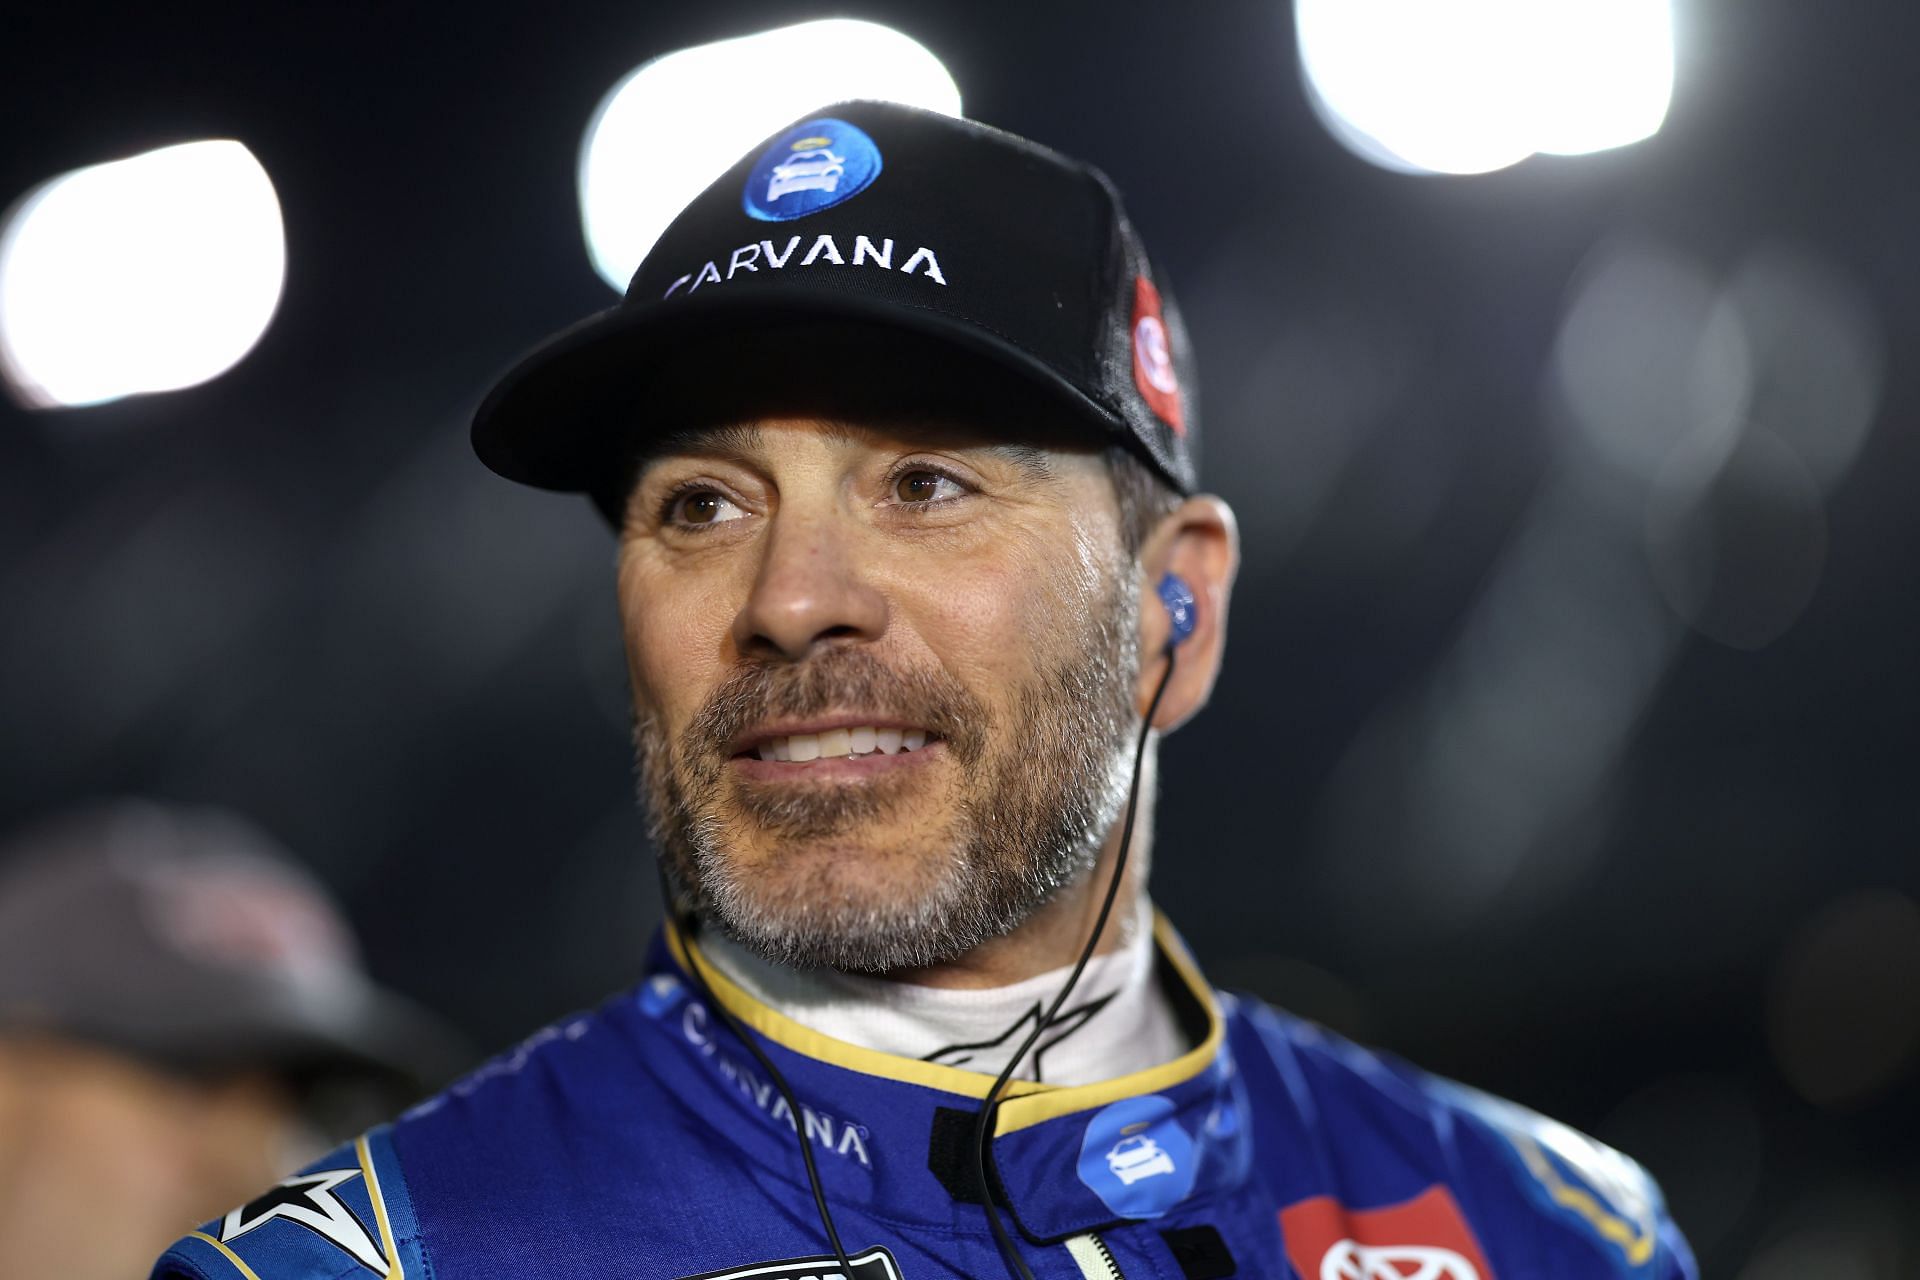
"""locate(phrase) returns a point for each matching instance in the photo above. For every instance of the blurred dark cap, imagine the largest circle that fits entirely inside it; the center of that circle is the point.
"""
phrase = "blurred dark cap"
(189, 939)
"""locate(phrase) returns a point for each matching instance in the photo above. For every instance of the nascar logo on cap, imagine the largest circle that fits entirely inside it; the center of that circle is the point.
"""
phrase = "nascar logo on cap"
(810, 167)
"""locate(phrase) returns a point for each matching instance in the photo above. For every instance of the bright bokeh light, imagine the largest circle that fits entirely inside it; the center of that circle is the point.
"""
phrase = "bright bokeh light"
(147, 274)
(673, 126)
(1468, 86)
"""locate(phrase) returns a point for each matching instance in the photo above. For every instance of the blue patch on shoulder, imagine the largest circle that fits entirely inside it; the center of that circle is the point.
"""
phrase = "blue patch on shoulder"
(661, 994)
(1137, 1158)
(810, 167)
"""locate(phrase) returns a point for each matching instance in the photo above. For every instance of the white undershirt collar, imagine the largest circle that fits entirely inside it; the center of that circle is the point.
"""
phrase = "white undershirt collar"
(1116, 1022)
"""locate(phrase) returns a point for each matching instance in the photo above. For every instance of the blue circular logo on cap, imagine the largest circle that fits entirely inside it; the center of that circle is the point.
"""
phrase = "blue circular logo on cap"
(810, 167)
(1137, 1158)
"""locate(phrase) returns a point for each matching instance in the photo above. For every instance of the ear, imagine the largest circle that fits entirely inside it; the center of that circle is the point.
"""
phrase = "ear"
(1199, 541)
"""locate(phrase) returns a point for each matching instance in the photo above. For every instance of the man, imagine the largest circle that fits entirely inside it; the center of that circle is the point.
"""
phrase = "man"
(897, 433)
(182, 1019)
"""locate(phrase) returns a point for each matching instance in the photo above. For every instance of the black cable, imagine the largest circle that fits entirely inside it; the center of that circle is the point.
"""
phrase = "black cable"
(779, 1081)
(981, 1135)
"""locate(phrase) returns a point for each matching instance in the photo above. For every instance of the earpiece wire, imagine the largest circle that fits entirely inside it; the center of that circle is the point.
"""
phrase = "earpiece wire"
(981, 1130)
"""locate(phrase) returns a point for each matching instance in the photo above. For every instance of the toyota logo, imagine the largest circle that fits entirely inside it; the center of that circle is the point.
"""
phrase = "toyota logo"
(1350, 1260)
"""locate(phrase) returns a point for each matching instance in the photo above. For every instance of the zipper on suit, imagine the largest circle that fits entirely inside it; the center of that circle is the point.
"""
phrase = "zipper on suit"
(1096, 1261)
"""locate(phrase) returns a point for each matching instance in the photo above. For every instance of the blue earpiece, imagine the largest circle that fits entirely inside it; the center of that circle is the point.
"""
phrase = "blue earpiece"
(1182, 612)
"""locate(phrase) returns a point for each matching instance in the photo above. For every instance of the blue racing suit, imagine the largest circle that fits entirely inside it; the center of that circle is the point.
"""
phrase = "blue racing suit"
(642, 1142)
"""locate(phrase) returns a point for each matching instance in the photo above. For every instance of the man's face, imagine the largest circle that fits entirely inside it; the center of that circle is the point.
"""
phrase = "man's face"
(883, 681)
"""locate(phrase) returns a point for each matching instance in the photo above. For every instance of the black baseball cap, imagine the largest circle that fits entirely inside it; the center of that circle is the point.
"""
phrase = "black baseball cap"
(867, 253)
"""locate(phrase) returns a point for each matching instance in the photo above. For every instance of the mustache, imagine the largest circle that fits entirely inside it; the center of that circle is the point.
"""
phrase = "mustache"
(837, 679)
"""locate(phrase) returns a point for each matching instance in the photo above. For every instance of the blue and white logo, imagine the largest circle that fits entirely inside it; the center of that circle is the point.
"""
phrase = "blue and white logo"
(661, 994)
(810, 167)
(1137, 1158)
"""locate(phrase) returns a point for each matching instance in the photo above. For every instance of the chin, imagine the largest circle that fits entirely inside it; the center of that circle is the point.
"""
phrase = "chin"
(871, 879)
(849, 906)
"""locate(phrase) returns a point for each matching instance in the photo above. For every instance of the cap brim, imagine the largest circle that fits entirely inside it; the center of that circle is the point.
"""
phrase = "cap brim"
(366, 1035)
(389, 1041)
(573, 413)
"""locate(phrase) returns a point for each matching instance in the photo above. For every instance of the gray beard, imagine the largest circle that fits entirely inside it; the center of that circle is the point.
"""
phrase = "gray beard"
(1032, 806)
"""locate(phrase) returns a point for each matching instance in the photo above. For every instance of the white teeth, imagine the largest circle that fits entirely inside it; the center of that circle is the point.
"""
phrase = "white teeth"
(835, 744)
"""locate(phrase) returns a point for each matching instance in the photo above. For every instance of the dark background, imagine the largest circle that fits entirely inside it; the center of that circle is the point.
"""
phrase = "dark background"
(1543, 756)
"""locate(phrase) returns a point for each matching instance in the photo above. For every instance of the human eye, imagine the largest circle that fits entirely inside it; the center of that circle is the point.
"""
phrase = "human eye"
(698, 506)
(920, 485)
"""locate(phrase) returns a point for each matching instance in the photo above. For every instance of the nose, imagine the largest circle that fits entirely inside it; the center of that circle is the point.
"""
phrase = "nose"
(808, 591)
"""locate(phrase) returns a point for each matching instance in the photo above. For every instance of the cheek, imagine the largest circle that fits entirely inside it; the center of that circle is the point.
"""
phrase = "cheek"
(674, 641)
(1002, 615)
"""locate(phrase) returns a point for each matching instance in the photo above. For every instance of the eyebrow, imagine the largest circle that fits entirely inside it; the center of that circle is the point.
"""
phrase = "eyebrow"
(738, 441)
(744, 441)
(1031, 459)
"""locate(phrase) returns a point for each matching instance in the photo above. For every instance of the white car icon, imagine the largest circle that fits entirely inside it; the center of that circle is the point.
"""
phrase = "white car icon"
(1135, 1158)
(816, 170)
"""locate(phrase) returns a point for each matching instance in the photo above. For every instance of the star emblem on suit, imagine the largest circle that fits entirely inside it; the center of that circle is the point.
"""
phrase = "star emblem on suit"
(311, 1201)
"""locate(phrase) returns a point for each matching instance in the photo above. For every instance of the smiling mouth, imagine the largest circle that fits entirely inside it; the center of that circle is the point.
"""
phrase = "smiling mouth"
(840, 744)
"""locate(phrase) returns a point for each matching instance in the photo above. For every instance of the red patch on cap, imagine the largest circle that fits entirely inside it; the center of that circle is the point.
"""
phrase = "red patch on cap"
(1424, 1238)
(1153, 357)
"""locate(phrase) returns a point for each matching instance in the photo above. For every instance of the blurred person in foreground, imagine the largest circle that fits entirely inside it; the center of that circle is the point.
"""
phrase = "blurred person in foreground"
(896, 430)
(183, 1020)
